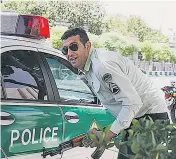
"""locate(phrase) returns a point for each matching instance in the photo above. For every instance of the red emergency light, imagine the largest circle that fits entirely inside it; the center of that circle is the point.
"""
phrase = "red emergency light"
(34, 26)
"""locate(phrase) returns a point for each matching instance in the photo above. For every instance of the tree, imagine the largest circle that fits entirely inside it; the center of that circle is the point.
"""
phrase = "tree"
(173, 58)
(77, 14)
(112, 41)
(26, 7)
(137, 27)
(128, 50)
(116, 23)
(156, 36)
(56, 33)
(88, 14)
(95, 40)
(164, 54)
(147, 50)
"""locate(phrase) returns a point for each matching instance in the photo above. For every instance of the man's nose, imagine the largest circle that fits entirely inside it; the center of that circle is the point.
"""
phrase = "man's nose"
(70, 53)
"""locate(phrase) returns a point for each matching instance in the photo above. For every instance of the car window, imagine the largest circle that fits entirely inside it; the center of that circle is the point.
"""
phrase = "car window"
(21, 75)
(69, 84)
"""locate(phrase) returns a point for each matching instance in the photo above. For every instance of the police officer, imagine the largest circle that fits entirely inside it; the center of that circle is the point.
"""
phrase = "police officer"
(118, 83)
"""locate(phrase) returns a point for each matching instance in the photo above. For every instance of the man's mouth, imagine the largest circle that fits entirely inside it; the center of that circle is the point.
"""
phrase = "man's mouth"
(73, 60)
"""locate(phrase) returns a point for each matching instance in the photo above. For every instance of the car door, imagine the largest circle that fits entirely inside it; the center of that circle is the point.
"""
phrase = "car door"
(80, 106)
(30, 120)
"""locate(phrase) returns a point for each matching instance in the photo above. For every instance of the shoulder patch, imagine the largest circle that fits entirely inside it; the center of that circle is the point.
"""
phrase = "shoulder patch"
(114, 88)
(107, 77)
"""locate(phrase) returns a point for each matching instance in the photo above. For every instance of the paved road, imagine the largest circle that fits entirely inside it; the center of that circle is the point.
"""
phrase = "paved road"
(75, 153)
(85, 153)
(162, 81)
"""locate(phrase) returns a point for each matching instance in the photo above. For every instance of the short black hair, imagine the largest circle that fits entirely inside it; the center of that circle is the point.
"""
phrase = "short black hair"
(76, 31)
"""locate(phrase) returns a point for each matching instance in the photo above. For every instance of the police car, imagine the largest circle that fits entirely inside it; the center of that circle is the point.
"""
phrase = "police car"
(43, 100)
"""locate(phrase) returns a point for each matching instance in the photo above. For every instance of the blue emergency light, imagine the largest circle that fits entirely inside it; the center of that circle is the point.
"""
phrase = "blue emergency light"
(34, 26)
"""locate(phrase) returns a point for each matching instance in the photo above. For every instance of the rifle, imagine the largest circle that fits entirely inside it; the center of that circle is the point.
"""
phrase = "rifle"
(75, 142)
(84, 140)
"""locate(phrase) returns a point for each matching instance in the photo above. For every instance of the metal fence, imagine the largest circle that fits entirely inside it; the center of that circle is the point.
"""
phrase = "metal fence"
(157, 68)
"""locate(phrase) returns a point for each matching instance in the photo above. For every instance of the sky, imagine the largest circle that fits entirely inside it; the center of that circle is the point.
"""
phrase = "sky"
(157, 14)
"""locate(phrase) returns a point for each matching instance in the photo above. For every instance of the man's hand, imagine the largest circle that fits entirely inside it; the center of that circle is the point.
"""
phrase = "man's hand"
(94, 138)
(103, 136)
(109, 136)
(97, 137)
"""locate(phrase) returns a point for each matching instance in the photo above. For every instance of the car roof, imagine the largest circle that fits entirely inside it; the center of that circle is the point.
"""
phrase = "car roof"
(7, 41)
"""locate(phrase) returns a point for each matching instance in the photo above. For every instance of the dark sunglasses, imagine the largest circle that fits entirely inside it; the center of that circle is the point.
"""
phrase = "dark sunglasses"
(73, 47)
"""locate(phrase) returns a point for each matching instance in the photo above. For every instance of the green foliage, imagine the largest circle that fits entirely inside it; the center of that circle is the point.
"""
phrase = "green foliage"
(115, 23)
(95, 40)
(133, 26)
(91, 16)
(147, 50)
(137, 27)
(155, 36)
(26, 7)
(115, 42)
(83, 14)
(56, 33)
(149, 139)
(112, 41)
(164, 53)
(173, 57)
(74, 13)
(128, 50)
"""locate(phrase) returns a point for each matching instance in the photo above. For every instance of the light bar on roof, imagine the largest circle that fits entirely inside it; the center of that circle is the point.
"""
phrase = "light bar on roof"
(25, 25)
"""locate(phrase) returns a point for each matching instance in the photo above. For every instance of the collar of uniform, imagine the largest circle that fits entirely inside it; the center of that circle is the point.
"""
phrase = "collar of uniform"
(80, 72)
(88, 62)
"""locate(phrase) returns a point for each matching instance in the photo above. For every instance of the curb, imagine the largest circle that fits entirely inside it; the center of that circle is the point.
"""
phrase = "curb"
(160, 73)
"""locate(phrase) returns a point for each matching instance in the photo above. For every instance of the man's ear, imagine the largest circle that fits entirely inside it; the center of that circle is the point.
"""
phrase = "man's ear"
(88, 45)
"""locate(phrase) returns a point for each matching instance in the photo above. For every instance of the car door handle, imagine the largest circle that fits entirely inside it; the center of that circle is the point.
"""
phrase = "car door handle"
(6, 118)
(69, 117)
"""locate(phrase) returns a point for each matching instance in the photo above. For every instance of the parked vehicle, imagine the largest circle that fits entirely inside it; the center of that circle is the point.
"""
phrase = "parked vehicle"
(170, 96)
(43, 101)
